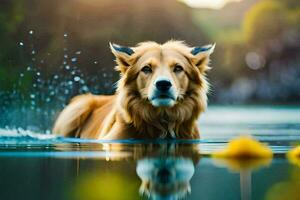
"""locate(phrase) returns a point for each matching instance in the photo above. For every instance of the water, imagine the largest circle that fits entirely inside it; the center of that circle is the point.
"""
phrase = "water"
(47, 80)
(43, 166)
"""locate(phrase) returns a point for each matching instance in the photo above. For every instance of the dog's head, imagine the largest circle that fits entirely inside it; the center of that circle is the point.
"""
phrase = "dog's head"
(165, 178)
(164, 74)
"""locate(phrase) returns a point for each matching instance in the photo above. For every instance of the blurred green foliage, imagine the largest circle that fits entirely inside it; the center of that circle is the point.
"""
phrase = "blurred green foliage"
(12, 14)
(267, 29)
(265, 21)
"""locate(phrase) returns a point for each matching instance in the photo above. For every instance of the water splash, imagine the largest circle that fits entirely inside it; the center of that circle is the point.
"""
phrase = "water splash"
(39, 94)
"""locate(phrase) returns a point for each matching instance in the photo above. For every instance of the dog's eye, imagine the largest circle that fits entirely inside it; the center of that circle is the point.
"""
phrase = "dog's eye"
(147, 69)
(178, 69)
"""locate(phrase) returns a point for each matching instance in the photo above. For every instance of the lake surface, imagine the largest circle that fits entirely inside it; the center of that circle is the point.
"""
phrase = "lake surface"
(40, 166)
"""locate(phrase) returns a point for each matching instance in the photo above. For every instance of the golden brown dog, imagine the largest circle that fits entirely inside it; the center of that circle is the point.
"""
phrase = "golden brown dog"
(161, 92)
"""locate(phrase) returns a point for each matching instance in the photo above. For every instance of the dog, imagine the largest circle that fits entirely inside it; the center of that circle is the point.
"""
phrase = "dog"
(166, 169)
(166, 177)
(161, 92)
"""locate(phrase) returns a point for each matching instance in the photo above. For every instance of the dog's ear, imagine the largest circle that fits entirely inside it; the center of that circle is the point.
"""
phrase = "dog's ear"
(123, 56)
(200, 56)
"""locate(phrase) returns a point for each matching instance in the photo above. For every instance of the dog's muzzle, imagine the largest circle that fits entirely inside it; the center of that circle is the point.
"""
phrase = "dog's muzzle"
(163, 94)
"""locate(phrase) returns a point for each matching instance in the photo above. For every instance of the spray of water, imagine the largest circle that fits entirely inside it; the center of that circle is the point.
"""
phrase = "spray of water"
(36, 108)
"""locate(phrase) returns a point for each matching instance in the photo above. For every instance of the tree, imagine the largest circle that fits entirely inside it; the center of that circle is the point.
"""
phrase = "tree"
(264, 22)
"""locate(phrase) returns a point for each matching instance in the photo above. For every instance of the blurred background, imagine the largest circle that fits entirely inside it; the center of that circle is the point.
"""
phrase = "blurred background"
(51, 50)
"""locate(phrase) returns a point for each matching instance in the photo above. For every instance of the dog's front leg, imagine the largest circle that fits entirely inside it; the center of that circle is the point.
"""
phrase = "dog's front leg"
(119, 131)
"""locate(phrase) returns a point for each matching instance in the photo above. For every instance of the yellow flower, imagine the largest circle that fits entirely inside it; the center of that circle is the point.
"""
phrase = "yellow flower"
(243, 153)
(294, 155)
(244, 147)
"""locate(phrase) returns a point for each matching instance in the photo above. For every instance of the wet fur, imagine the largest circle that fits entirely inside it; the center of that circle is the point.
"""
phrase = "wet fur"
(127, 114)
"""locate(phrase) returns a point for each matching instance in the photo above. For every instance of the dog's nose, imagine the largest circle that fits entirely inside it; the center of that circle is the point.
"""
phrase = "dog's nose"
(163, 85)
(164, 175)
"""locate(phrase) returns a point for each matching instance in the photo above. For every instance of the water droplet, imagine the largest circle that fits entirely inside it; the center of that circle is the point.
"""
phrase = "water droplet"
(31, 32)
(52, 93)
(65, 56)
(38, 73)
(28, 68)
(74, 59)
(48, 99)
(95, 62)
(76, 78)
(32, 96)
(85, 88)
(65, 35)
(55, 76)
(70, 82)
(33, 52)
(65, 62)
(21, 43)
(73, 72)
(78, 52)
(21, 75)
(67, 67)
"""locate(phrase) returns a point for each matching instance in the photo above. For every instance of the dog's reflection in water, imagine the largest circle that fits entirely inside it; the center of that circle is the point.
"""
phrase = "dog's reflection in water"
(166, 177)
